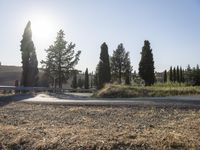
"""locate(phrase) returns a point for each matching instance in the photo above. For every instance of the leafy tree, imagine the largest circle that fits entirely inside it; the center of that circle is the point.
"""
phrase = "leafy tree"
(146, 65)
(165, 76)
(74, 81)
(86, 79)
(61, 59)
(170, 74)
(121, 65)
(29, 59)
(104, 66)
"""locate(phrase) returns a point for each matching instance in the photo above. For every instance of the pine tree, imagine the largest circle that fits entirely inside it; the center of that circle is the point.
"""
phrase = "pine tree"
(61, 59)
(104, 74)
(170, 74)
(29, 59)
(165, 76)
(86, 79)
(121, 65)
(146, 65)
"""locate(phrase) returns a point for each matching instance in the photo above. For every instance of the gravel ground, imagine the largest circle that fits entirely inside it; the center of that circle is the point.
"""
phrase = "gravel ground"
(42, 126)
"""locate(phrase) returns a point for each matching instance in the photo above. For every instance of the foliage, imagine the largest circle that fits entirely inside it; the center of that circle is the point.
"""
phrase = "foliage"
(29, 59)
(124, 91)
(146, 65)
(103, 71)
(61, 60)
(121, 65)
(74, 81)
(86, 79)
(165, 76)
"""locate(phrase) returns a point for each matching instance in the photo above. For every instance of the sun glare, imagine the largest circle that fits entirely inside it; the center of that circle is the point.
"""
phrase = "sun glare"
(42, 26)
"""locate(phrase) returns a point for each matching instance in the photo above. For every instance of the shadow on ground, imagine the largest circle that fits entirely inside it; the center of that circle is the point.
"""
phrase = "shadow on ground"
(4, 100)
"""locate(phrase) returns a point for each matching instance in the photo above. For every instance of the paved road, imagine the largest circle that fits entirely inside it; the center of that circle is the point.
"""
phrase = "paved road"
(81, 99)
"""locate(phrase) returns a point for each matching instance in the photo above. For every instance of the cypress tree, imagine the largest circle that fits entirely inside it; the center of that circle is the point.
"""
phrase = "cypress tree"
(86, 79)
(170, 74)
(146, 65)
(181, 74)
(29, 59)
(104, 74)
(80, 83)
(178, 74)
(165, 76)
(74, 81)
(174, 75)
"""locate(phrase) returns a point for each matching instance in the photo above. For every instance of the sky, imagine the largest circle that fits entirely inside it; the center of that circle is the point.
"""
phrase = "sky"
(172, 27)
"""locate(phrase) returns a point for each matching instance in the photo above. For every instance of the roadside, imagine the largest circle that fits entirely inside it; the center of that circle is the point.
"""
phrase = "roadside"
(44, 126)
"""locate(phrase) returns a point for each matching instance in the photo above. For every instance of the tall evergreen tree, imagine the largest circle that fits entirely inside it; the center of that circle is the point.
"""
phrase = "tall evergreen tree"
(104, 66)
(174, 75)
(181, 75)
(121, 65)
(29, 59)
(170, 74)
(165, 76)
(86, 79)
(74, 81)
(178, 74)
(80, 83)
(61, 59)
(146, 65)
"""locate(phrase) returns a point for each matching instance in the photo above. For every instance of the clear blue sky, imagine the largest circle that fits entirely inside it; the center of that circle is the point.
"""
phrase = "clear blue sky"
(172, 27)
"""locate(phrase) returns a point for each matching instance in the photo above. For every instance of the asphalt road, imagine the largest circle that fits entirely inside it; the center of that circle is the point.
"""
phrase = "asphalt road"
(85, 99)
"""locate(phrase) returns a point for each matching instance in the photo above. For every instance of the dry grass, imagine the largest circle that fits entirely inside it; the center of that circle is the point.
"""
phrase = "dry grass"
(35, 126)
(119, 91)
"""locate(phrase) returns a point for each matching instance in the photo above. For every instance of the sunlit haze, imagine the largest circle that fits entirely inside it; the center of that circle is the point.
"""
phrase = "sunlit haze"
(172, 27)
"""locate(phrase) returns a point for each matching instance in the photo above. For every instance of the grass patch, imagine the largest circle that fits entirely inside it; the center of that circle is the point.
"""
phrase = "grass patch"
(158, 90)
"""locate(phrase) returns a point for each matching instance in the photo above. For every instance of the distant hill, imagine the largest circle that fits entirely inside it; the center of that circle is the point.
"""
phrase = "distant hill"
(8, 74)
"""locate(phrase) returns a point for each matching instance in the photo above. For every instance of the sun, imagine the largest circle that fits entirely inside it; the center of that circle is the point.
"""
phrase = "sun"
(42, 26)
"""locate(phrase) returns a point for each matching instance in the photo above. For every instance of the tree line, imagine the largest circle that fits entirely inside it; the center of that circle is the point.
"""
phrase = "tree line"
(118, 68)
(62, 58)
(190, 76)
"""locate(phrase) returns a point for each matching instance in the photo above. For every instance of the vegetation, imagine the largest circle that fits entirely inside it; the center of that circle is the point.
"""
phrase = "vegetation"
(146, 65)
(124, 91)
(103, 74)
(86, 79)
(121, 65)
(60, 60)
(74, 81)
(29, 59)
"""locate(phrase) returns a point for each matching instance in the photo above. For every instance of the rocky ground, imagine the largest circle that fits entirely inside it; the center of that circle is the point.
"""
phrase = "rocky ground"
(42, 126)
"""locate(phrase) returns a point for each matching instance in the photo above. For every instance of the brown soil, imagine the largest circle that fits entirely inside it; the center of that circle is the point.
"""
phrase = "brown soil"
(40, 126)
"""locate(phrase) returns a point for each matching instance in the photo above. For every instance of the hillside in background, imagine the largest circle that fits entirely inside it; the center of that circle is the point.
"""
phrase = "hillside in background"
(8, 74)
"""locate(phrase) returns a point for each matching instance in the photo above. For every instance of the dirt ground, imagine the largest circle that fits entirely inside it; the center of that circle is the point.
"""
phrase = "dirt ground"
(42, 126)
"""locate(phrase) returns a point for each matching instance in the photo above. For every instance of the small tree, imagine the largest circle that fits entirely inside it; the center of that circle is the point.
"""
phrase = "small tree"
(86, 79)
(165, 76)
(146, 65)
(29, 59)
